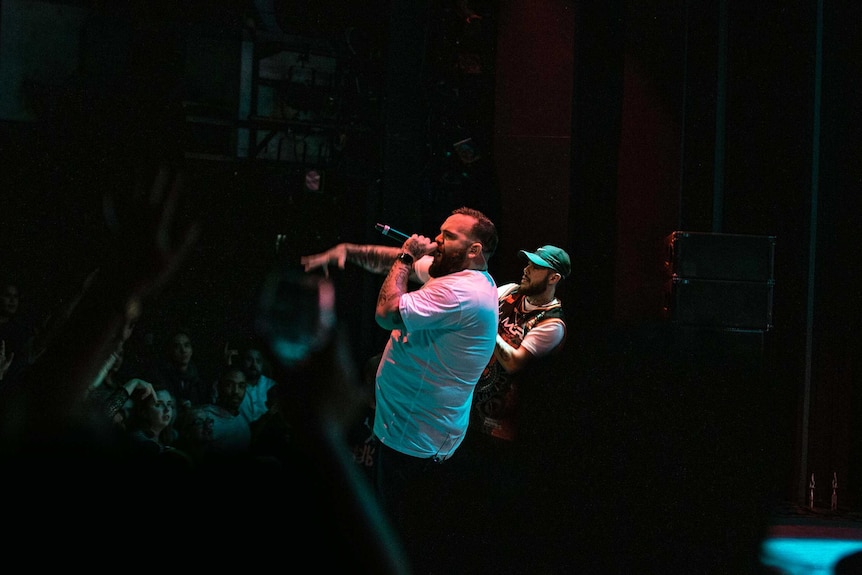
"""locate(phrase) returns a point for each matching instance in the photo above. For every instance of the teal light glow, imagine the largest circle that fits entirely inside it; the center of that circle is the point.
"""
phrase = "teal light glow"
(806, 556)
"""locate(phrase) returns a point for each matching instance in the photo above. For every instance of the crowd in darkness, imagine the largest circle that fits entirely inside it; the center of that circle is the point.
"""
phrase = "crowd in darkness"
(91, 416)
(153, 401)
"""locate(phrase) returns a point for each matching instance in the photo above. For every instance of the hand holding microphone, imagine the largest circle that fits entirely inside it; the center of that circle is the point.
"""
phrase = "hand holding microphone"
(402, 238)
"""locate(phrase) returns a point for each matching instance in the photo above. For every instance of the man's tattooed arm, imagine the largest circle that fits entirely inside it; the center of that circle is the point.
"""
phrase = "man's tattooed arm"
(388, 314)
(377, 259)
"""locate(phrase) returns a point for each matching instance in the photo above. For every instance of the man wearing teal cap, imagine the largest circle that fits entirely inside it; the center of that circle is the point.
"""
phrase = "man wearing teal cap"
(531, 325)
(492, 463)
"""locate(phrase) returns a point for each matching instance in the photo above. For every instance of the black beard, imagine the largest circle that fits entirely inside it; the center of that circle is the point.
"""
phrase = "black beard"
(533, 289)
(448, 264)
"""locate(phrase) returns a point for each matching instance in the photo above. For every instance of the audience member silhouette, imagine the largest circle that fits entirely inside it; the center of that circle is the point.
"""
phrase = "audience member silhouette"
(254, 405)
(322, 400)
(177, 372)
(231, 432)
(151, 422)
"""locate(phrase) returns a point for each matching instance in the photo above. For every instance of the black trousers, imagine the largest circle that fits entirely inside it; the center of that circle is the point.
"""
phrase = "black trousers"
(412, 491)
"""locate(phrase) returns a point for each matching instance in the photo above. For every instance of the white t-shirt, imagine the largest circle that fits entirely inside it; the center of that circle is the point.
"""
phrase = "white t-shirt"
(231, 433)
(254, 403)
(429, 368)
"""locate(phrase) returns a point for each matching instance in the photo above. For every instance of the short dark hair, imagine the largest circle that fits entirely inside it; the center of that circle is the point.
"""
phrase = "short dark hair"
(176, 330)
(484, 230)
(226, 370)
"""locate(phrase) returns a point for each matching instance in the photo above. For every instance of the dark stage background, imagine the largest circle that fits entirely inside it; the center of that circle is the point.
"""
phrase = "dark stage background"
(598, 126)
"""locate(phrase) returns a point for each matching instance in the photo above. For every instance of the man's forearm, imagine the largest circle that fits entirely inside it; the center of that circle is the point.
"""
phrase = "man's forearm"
(503, 351)
(388, 314)
(512, 359)
(373, 258)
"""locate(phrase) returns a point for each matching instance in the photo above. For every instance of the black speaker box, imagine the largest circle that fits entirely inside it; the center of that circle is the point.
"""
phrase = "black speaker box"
(719, 303)
(713, 256)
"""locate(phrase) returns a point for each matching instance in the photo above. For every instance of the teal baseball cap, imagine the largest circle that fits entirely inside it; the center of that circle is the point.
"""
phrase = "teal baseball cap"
(550, 257)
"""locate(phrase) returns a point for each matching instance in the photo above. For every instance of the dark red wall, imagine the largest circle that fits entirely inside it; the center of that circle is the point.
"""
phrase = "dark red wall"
(533, 123)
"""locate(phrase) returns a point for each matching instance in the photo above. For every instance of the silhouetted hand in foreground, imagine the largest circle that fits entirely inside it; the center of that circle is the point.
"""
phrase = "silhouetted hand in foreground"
(152, 246)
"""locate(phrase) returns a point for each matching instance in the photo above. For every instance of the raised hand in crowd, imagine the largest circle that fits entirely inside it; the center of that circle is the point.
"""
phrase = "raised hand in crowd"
(138, 388)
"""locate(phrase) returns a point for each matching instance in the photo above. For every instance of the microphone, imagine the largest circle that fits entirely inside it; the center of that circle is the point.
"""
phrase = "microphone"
(400, 237)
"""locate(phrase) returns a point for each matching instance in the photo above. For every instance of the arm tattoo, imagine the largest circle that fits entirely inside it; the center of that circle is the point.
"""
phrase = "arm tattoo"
(377, 259)
(393, 287)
